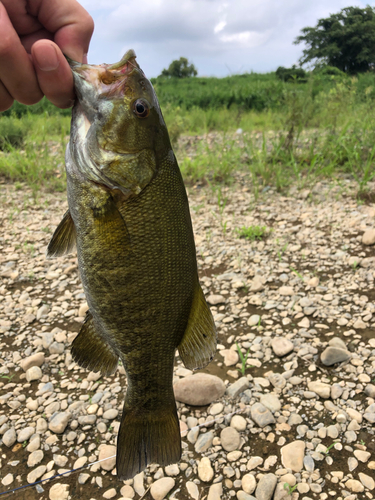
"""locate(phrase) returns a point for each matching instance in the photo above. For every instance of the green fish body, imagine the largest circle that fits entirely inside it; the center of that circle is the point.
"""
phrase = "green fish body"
(129, 218)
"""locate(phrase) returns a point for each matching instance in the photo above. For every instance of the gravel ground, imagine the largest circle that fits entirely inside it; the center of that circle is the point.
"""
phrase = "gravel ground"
(300, 302)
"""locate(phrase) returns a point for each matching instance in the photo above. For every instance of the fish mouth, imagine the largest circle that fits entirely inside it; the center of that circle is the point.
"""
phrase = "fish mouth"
(108, 80)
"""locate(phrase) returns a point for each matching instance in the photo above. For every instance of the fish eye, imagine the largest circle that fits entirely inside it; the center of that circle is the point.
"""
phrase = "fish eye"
(141, 108)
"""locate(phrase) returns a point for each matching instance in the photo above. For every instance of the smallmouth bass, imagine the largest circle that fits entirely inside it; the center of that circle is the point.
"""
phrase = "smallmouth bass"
(129, 218)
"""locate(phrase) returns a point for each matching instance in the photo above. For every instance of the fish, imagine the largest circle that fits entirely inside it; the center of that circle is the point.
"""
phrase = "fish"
(130, 222)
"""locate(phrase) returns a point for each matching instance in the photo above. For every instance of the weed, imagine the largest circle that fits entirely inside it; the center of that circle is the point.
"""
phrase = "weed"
(243, 359)
(289, 488)
(326, 452)
(252, 233)
(7, 377)
(296, 273)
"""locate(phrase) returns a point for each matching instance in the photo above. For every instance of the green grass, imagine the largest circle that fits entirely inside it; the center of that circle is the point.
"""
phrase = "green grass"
(252, 233)
(302, 133)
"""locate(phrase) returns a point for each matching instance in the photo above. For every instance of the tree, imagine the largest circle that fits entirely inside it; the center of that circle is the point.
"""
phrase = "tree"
(180, 68)
(345, 40)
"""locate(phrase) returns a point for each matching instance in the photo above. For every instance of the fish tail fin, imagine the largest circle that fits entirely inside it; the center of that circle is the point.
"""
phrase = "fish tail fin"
(147, 437)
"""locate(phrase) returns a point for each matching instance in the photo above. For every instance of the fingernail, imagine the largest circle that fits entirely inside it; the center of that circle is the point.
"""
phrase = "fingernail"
(47, 59)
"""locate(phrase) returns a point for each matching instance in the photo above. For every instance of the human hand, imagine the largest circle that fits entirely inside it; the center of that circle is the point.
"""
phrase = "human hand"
(34, 36)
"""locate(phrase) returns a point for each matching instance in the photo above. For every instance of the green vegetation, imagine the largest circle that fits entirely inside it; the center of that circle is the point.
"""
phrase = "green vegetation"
(180, 68)
(252, 233)
(345, 40)
(292, 133)
(289, 488)
(243, 359)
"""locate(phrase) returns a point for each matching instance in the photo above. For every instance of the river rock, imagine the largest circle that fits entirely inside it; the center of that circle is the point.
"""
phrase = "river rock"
(34, 360)
(36, 474)
(25, 434)
(261, 415)
(35, 458)
(59, 491)
(9, 437)
(332, 355)
(199, 390)
(108, 450)
(205, 471)
(354, 485)
(59, 422)
(192, 490)
(367, 481)
(270, 401)
(248, 483)
(34, 373)
(230, 357)
(238, 387)
(230, 439)
(215, 492)
(213, 300)
(238, 423)
(281, 346)
(368, 237)
(204, 442)
(161, 487)
(266, 487)
(320, 388)
(292, 455)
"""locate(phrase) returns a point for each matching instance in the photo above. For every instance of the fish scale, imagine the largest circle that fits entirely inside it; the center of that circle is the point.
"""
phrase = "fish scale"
(129, 219)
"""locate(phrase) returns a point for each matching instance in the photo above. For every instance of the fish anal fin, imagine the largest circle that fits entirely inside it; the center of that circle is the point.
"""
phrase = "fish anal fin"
(64, 238)
(90, 350)
(198, 345)
(145, 438)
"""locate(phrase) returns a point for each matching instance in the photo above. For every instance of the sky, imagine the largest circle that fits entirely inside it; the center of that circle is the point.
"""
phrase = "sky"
(220, 37)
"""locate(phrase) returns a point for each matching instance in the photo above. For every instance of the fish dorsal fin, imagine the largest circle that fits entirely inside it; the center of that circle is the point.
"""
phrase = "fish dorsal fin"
(198, 345)
(64, 238)
(90, 350)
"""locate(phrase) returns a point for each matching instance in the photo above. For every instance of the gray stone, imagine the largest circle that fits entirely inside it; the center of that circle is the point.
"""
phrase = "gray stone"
(336, 391)
(230, 439)
(242, 495)
(34, 360)
(292, 455)
(215, 492)
(205, 471)
(238, 387)
(192, 490)
(281, 346)
(270, 401)
(59, 422)
(320, 388)
(161, 487)
(36, 474)
(199, 389)
(277, 380)
(56, 348)
(204, 442)
(59, 491)
(193, 434)
(368, 237)
(332, 355)
(25, 434)
(110, 414)
(34, 373)
(266, 487)
(35, 458)
(9, 437)
(213, 300)
(308, 463)
(261, 415)
(248, 483)
(108, 454)
(370, 390)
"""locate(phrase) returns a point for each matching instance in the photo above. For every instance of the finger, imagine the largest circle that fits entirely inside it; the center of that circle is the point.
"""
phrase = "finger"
(53, 72)
(16, 69)
(6, 100)
(20, 17)
(72, 24)
(29, 40)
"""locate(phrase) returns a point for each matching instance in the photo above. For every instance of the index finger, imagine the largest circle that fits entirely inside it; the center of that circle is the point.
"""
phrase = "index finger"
(71, 24)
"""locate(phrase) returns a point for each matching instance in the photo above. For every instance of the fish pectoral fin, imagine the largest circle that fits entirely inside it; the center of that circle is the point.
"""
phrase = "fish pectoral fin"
(91, 351)
(64, 238)
(198, 345)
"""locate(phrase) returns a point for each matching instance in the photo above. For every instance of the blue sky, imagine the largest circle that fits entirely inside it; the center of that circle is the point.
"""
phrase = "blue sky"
(220, 37)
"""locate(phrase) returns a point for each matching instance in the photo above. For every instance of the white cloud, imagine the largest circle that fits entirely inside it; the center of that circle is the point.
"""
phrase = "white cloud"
(241, 35)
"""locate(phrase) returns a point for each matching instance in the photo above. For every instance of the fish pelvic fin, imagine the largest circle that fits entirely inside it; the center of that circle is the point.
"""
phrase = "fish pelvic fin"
(64, 238)
(145, 438)
(198, 345)
(91, 351)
